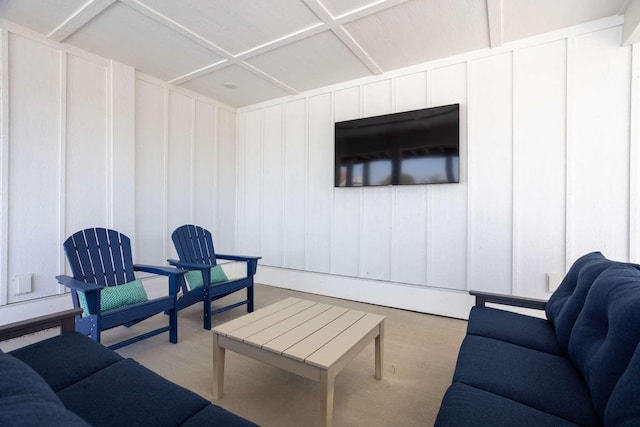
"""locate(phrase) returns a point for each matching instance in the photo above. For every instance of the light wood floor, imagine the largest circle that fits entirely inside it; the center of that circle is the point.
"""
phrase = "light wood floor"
(420, 356)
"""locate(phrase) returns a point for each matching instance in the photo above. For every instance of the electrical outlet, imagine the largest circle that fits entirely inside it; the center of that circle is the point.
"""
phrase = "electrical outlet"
(22, 283)
(553, 281)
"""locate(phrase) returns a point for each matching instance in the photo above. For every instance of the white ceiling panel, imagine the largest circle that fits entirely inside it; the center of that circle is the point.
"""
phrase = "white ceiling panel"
(250, 88)
(524, 18)
(50, 13)
(317, 61)
(340, 7)
(272, 48)
(422, 30)
(123, 34)
(239, 25)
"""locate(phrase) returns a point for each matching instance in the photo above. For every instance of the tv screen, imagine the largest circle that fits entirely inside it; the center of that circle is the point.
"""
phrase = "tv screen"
(412, 147)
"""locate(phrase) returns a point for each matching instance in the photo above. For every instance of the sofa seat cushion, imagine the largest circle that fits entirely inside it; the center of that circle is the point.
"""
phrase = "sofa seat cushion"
(515, 328)
(66, 359)
(464, 405)
(127, 393)
(221, 416)
(27, 400)
(607, 331)
(533, 378)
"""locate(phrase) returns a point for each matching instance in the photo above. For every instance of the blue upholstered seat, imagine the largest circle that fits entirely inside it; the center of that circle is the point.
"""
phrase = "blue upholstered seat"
(515, 328)
(526, 376)
(464, 405)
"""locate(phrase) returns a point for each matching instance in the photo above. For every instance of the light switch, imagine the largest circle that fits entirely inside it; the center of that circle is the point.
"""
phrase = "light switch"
(22, 283)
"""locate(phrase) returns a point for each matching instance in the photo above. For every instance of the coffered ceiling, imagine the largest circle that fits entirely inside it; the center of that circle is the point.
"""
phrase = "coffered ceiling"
(266, 49)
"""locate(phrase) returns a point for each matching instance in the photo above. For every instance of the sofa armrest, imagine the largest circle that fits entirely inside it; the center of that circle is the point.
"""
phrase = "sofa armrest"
(524, 302)
(65, 320)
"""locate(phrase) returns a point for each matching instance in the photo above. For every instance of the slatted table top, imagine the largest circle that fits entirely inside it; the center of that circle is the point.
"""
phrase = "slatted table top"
(314, 333)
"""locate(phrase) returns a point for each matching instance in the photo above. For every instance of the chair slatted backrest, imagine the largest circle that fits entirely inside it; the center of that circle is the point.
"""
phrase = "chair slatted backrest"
(194, 245)
(101, 256)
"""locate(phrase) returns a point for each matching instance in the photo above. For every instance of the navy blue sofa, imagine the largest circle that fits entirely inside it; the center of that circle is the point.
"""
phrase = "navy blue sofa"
(70, 380)
(581, 366)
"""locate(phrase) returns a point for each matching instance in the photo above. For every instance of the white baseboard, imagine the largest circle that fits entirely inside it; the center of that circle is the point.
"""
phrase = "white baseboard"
(422, 299)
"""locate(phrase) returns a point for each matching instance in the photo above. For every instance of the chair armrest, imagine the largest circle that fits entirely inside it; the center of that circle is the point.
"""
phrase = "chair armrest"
(162, 271)
(238, 257)
(524, 302)
(77, 285)
(252, 261)
(65, 320)
(187, 265)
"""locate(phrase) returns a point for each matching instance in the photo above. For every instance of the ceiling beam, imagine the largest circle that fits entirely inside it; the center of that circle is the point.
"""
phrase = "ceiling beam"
(495, 18)
(76, 21)
(330, 22)
(631, 26)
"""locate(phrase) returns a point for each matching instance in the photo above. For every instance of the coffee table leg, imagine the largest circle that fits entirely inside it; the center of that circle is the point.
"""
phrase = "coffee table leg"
(218, 368)
(326, 409)
(380, 351)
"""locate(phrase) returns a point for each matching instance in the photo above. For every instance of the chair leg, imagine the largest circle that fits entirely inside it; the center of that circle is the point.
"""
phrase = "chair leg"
(173, 326)
(207, 312)
(250, 299)
(95, 335)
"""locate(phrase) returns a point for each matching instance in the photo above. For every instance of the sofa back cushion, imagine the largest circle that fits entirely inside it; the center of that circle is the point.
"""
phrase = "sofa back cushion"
(607, 331)
(27, 401)
(567, 301)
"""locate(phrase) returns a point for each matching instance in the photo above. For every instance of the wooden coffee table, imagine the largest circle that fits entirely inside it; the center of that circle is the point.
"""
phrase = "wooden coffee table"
(307, 338)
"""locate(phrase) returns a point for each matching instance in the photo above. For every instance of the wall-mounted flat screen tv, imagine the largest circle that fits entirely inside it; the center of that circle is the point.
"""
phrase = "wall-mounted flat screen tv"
(412, 147)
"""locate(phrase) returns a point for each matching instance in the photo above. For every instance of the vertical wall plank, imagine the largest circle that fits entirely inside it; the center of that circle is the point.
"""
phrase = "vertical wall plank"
(490, 179)
(447, 220)
(150, 173)
(122, 173)
(225, 230)
(376, 233)
(320, 189)
(180, 185)
(204, 163)
(34, 150)
(273, 185)
(600, 157)
(86, 145)
(411, 92)
(295, 184)
(252, 195)
(634, 157)
(378, 98)
(540, 166)
(410, 235)
(4, 165)
(345, 253)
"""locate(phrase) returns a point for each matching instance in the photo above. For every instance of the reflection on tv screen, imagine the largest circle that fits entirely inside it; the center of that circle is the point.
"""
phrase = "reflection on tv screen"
(413, 147)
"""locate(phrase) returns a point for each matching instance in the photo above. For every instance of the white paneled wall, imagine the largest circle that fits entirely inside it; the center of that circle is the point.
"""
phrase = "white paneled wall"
(544, 140)
(185, 151)
(87, 142)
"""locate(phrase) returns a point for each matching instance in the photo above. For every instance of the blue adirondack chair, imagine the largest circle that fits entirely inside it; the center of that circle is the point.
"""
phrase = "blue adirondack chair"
(195, 248)
(104, 285)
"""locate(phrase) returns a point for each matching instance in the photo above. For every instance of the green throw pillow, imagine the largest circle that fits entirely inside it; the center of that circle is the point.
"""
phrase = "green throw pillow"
(112, 297)
(194, 277)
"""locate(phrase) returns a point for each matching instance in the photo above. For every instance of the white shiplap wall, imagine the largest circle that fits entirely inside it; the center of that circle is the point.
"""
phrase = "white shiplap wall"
(545, 177)
(88, 142)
